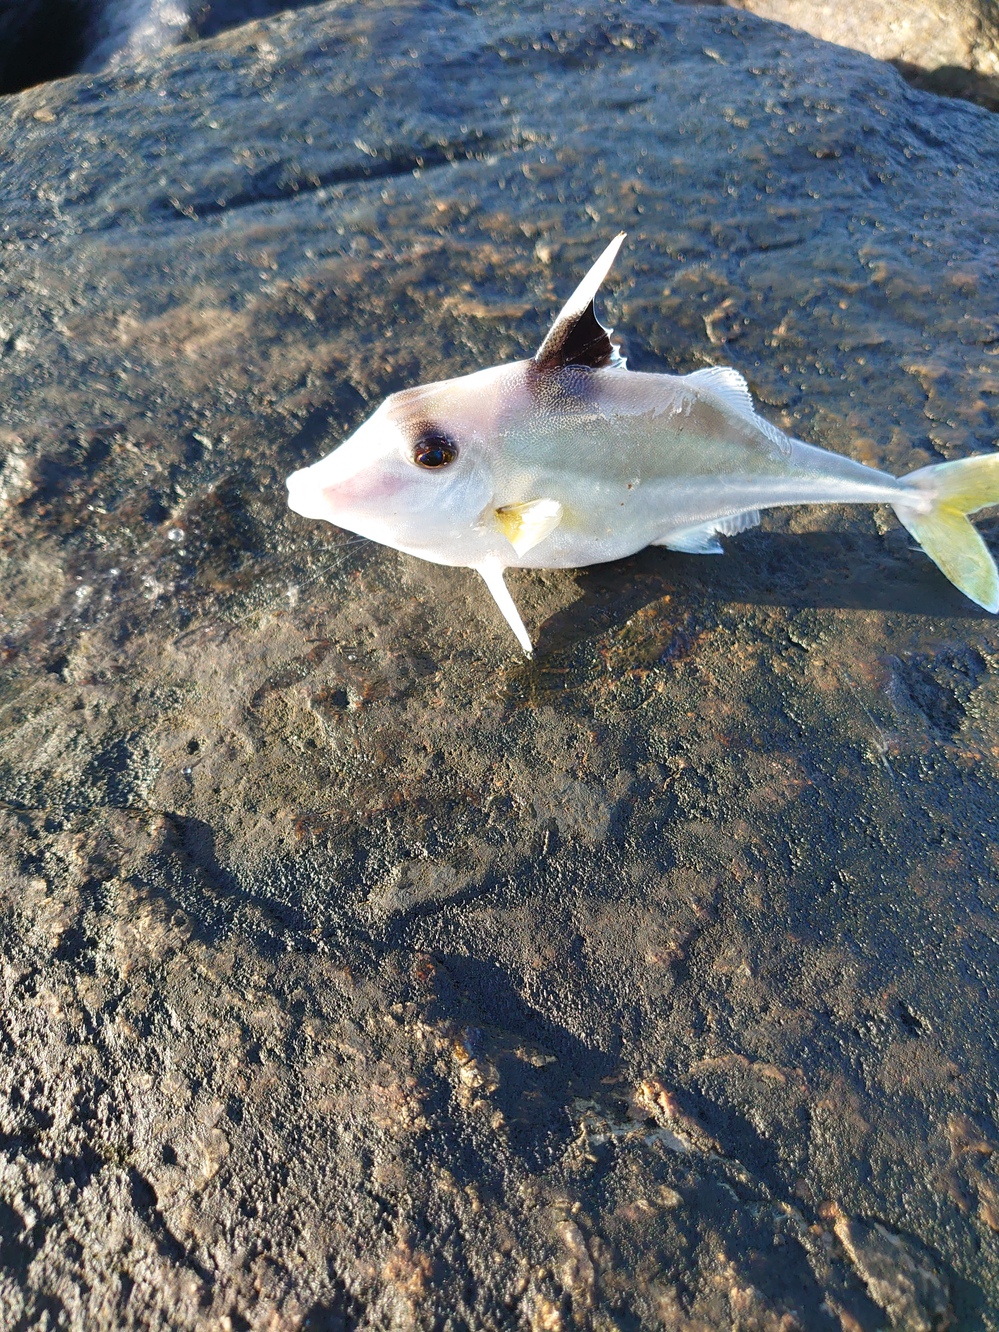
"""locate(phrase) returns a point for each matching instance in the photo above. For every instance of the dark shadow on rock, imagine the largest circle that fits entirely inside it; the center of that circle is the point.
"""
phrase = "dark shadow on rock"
(541, 1066)
(807, 571)
(146, 1204)
(214, 912)
(41, 40)
(742, 1141)
(341, 1313)
(940, 685)
(952, 81)
(17, 1243)
(830, 571)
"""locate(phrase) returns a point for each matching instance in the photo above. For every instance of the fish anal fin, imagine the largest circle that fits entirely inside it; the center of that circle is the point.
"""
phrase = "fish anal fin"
(738, 522)
(692, 540)
(492, 576)
(526, 525)
(702, 538)
(577, 337)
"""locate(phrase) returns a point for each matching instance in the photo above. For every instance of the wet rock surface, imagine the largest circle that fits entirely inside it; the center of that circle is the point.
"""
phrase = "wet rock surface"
(355, 972)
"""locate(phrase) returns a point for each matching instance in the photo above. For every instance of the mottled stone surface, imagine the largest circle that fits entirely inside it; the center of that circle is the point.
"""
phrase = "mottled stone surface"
(929, 33)
(355, 972)
(947, 46)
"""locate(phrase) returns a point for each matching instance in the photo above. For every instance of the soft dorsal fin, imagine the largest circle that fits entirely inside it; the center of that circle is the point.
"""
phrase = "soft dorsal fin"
(731, 387)
(728, 384)
(577, 336)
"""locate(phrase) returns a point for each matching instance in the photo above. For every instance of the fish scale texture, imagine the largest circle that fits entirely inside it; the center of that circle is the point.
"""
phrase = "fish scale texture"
(354, 972)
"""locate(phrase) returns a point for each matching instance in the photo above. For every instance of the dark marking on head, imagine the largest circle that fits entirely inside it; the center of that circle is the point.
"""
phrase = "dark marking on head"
(432, 446)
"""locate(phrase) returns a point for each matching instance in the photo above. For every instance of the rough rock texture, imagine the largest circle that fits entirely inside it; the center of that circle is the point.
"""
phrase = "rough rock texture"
(947, 46)
(355, 972)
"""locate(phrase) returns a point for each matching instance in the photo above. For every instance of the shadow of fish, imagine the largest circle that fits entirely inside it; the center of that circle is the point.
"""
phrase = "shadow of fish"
(569, 459)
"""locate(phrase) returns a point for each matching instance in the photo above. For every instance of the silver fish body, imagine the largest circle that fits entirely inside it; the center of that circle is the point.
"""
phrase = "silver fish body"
(570, 459)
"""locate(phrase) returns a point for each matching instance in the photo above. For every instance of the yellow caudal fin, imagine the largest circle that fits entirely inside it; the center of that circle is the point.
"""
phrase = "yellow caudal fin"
(948, 492)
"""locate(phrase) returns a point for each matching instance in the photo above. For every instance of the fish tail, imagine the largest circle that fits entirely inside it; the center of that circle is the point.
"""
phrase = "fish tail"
(938, 519)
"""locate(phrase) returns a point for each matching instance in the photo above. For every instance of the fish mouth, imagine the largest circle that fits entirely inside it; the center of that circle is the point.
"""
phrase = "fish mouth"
(305, 496)
(346, 500)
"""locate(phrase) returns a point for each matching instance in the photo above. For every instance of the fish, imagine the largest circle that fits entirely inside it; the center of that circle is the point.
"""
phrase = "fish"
(569, 458)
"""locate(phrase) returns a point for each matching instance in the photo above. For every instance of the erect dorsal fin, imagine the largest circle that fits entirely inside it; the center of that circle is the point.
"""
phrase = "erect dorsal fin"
(577, 337)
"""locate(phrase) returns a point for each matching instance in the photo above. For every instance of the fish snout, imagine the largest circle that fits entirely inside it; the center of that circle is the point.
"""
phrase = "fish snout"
(306, 496)
(345, 496)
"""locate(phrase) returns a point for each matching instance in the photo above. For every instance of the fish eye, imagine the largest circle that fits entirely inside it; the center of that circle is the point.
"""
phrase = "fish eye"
(434, 449)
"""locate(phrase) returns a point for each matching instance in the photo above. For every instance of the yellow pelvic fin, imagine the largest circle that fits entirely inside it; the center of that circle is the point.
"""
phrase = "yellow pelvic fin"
(525, 525)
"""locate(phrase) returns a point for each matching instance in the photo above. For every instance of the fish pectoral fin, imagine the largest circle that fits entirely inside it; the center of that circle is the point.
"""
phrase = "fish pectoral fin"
(525, 525)
(702, 538)
(492, 576)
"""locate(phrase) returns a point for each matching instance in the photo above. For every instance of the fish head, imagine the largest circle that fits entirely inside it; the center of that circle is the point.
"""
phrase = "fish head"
(466, 471)
(420, 474)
